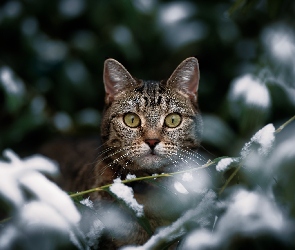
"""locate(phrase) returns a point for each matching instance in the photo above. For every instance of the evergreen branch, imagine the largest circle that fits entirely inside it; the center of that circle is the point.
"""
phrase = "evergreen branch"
(209, 163)
(241, 163)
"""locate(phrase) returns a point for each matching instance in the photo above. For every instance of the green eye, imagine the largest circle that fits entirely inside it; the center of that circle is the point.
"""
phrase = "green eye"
(172, 120)
(131, 120)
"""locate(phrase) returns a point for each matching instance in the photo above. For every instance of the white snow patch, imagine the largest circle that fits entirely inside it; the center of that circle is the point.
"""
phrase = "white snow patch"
(264, 137)
(7, 236)
(73, 238)
(175, 12)
(284, 153)
(10, 82)
(223, 164)
(180, 188)
(155, 175)
(130, 176)
(12, 172)
(134, 248)
(279, 39)
(126, 194)
(18, 174)
(255, 212)
(43, 205)
(200, 239)
(87, 202)
(118, 180)
(37, 213)
(93, 235)
(200, 215)
(250, 90)
(187, 177)
(49, 193)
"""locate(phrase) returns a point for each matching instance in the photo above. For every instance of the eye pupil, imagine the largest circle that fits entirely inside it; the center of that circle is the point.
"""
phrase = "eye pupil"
(172, 120)
(131, 120)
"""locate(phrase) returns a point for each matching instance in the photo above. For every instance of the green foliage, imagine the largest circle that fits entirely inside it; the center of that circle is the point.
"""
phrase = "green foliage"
(51, 62)
(54, 56)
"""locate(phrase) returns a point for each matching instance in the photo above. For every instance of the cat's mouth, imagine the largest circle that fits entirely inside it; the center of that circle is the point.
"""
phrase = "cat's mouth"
(152, 155)
(152, 159)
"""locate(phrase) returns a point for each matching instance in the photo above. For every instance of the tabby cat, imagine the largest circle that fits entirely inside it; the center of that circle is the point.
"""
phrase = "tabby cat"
(148, 127)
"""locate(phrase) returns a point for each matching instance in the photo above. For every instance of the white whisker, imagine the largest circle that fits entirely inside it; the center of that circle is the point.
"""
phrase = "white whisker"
(118, 159)
(114, 153)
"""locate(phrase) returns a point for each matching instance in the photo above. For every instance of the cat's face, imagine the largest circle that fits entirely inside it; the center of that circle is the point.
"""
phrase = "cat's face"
(150, 125)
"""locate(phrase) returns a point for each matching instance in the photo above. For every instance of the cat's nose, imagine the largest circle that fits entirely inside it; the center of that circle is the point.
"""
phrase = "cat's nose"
(152, 142)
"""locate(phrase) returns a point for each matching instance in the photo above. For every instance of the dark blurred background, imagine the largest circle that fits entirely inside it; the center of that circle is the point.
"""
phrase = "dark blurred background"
(52, 54)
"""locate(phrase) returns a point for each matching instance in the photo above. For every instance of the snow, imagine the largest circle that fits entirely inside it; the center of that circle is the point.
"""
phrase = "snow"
(175, 12)
(254, 210)
(87, 202)
(264, 138)
(34, 163)
(49, 193)
(202, 180)
(126, 194)
(180, 188)
(199, 239)
(7, 236)
(38, 213)
(9, 189)
(283, 156)
(12, 172)
(201, 215)
(94, 233)
(251, 91)
(19, 174)
(280, 41)
(255, 213)
(224, 164)
(10, 83)
(37, 202)
(187, 177)
(130, 176)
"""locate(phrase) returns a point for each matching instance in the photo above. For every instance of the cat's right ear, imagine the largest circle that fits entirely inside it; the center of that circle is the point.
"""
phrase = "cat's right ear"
(116, 78)
(186, 78)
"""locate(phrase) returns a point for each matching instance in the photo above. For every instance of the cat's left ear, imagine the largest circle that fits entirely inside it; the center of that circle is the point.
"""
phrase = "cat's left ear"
(186, 77)
(116, 78)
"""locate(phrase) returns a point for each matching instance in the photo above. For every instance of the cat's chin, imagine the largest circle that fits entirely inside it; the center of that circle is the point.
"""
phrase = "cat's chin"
(151, 162)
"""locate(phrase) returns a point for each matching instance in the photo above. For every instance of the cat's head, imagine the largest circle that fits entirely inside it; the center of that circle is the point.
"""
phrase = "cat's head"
(150, 125)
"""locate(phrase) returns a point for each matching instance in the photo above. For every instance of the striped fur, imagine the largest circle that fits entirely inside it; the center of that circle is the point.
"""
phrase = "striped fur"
(152, 101)
(126, 150)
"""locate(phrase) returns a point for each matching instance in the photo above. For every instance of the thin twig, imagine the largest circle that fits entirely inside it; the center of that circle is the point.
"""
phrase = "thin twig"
(105, 187)
(285, 124)
(229, 179)
(5, 220)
